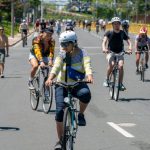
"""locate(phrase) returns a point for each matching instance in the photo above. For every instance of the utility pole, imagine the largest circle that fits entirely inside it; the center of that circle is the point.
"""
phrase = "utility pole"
(115, 7)
(41, 9)
(12, 18)
(145, 11)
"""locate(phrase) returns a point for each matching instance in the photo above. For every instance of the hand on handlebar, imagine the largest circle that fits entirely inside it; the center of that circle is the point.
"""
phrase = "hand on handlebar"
(106, 51)
(129, 51)
(90, 79)
(42, 64)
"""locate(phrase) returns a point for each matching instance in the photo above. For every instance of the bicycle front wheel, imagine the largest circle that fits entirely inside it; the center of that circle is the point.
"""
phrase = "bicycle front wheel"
(67, 141)
(47, 97)
(111, 85)
(116, 85)
(142, 72)
(34, 94)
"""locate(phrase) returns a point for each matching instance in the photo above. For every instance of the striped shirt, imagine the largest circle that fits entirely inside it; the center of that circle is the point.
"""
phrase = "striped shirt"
(80, 62)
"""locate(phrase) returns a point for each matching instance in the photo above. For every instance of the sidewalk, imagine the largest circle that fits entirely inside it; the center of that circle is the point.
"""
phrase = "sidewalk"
(17, 38)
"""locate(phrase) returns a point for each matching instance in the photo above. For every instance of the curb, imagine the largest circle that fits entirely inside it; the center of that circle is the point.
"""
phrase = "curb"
(20, 40)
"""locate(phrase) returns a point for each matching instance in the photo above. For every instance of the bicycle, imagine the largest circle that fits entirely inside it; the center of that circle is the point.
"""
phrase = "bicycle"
(114, 83)
(142, 68)
(97, 29)
(24, 38)
(70, 125)
(41, 91)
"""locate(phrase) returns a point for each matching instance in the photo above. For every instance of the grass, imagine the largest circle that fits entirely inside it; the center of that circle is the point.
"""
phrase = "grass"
(7, 27)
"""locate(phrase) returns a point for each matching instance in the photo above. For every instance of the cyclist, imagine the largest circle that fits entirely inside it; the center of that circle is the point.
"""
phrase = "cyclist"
(142, 42)
(37, 25)
(58, 27)
(125, 26)
(3, 45)
(42, 25)
(80, 62)
(114, 40)
(23, 28)
(42, 52)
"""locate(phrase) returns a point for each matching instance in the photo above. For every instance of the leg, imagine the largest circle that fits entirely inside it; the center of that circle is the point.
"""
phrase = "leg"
(34, 64)
(146, 59)
(60, 93)
(121, 71)
(82, 92)
(137, 59)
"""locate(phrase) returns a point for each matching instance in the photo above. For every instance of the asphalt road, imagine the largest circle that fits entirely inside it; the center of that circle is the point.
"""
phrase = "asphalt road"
(122, 125)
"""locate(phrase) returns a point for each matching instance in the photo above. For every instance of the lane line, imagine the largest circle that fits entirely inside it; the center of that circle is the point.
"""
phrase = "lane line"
(120, 130)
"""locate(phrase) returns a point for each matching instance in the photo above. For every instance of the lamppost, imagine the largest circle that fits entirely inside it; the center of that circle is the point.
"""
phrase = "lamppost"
(145, 11)
(115, 6)
(12, 18)
(41, 9)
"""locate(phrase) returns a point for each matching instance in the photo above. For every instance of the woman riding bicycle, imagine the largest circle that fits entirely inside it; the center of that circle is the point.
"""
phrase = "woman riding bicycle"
(142, 42)
(70, 58)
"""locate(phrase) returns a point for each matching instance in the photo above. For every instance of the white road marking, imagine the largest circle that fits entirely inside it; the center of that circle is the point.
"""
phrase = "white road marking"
(120, 130)
(126, 124)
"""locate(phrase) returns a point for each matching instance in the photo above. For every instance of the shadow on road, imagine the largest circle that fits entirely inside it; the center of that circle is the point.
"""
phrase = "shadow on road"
(9, 129)
(146, 80)
(13, 77)
(50, 112)
(134, 99)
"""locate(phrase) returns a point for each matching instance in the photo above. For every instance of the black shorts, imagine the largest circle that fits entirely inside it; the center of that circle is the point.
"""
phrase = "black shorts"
(143, 48)
(24, 31)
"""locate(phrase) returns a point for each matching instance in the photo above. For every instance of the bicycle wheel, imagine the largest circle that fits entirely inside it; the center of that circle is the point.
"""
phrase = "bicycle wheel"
(116, 85)
(47, 97)
(34, 94)
(142, 73)
(67, 141)
(111, 85)
(23, 40)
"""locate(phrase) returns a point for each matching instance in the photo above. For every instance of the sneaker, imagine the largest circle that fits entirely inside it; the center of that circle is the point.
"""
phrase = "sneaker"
(81, 120)
(58, 146)
(2, 76)
(146, 66)
(31, 87)
(106, 83)
(122, 87)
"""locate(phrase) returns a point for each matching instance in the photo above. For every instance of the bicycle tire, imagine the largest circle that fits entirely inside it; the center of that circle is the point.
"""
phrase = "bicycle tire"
(47, 99)
(143, 73)
(67, 141)
(34, 94)
(116, 85)
(111, 85)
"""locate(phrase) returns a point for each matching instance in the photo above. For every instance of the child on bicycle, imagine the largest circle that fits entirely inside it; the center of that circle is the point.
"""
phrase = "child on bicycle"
(142, 42)
(77, 60)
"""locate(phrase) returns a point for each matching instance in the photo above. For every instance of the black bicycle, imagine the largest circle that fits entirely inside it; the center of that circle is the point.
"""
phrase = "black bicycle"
(114, 81)
(41, 91)
(24, 38)
(70, 125)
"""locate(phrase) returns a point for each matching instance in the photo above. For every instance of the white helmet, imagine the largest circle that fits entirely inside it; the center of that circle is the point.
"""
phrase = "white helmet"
(23, 20)
(115, 19)
(68, 36)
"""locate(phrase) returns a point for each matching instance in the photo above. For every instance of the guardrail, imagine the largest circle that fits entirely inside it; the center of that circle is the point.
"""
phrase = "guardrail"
(134, 27)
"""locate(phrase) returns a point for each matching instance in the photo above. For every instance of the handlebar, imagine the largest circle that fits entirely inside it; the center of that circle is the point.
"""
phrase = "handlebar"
(67, 85)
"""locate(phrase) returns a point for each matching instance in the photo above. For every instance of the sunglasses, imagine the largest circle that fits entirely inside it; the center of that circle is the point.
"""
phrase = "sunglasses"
(65, 44)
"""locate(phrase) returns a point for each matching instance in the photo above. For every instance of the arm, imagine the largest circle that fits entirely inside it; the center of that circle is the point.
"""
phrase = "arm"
(129, 44)
(88, 68)
(7, 47)
(55, 70)
(51, 55)
(104, 43)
